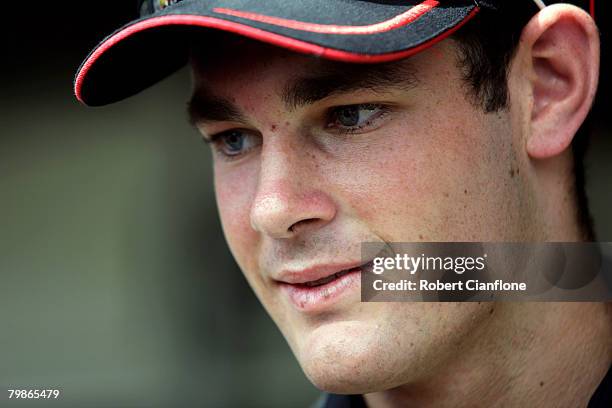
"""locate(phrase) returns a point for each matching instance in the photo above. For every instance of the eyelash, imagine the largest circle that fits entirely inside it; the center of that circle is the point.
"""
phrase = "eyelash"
(216, 140)
(384, 110)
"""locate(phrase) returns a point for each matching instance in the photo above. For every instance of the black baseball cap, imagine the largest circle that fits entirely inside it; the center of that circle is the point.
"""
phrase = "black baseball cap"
(155, 45)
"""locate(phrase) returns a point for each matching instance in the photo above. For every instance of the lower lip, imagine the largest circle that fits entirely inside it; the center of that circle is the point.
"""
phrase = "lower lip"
(317, 298)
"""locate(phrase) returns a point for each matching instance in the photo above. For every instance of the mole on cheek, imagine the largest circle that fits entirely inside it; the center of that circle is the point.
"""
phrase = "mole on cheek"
(272, 128)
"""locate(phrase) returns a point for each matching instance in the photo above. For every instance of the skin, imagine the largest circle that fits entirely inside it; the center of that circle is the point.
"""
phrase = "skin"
(432, 167)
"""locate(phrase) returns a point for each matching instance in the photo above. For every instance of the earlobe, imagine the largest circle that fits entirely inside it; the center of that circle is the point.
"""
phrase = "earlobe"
(561, 49)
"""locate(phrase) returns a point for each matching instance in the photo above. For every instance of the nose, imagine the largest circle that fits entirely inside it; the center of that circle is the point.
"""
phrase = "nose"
(289, 200)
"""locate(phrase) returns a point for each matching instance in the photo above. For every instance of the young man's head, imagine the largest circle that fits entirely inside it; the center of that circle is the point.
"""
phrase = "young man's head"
(466, 141)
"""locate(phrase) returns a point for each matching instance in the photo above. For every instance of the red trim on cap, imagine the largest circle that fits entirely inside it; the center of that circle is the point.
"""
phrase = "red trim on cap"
(254, 33)
(400, 20)
(592, 8)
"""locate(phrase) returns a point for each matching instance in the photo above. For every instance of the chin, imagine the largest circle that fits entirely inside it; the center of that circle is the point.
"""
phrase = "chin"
(392, 346)
(348, 358)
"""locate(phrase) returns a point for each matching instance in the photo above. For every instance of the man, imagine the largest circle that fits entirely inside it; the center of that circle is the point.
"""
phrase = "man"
(389, 121)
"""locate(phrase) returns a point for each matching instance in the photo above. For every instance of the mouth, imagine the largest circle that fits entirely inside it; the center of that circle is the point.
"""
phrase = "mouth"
(331, 278)
(318, 289)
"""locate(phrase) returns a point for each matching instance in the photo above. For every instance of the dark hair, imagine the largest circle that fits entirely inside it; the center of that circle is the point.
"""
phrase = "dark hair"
(487, 45)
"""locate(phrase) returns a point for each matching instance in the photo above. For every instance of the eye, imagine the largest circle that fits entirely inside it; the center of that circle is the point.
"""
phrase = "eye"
(353, 118)
(236, 142)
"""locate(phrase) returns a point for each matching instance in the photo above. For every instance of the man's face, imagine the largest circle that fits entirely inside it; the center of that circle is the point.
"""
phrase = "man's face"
(312, 158)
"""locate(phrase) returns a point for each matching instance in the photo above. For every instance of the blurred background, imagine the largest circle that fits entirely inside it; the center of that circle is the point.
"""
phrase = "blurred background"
(116, 284)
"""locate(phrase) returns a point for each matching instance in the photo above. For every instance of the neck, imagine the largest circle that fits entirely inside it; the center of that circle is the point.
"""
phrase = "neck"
(555, 357)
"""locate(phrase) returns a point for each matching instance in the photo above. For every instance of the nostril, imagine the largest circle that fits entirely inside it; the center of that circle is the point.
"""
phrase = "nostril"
(302, 224)
(282, 210)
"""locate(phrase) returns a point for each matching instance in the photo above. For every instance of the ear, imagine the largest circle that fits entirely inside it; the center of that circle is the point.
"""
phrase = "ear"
(560, 52)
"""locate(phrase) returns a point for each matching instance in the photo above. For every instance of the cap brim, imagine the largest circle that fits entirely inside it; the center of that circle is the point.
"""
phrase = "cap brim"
(147, 50)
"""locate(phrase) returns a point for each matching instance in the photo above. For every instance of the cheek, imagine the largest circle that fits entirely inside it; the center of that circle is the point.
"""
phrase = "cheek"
(426, 179)
(380, 181)
(234, 192)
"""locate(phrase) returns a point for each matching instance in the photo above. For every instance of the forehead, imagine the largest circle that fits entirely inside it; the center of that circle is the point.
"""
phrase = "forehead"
(234, 59)
(234, 63)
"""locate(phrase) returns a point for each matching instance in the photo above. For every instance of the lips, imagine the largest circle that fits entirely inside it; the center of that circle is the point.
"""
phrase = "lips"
(319, 288)
(323, 281)
(315, 273)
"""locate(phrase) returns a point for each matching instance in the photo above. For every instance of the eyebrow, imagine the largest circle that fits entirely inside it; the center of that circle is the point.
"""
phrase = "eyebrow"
(326, 80)
(204, 107)
(340, 78)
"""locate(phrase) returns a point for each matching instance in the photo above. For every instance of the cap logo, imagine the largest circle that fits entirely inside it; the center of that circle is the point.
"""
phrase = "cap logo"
(162, 4)
(149, 7)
